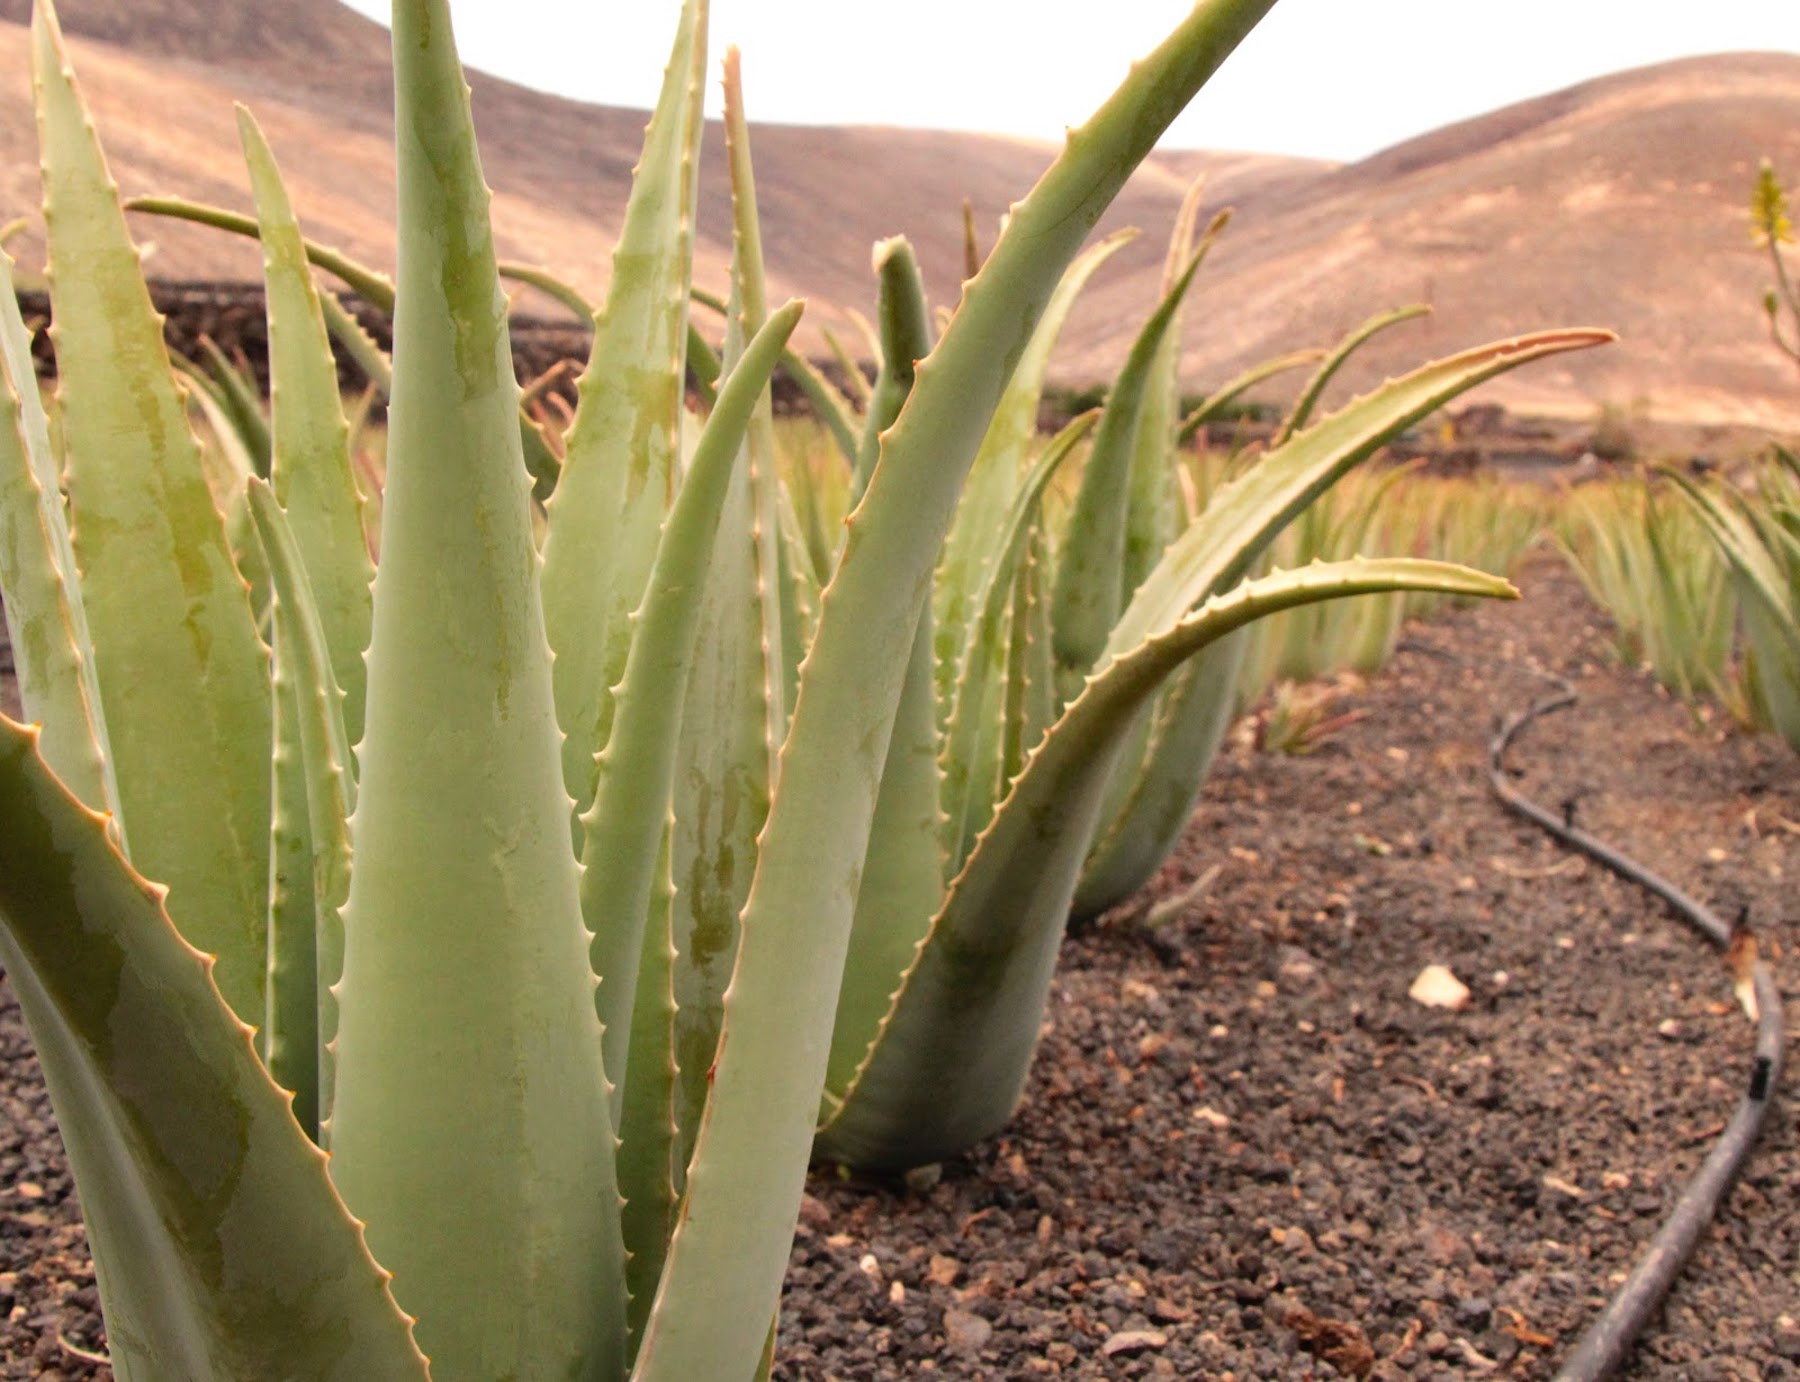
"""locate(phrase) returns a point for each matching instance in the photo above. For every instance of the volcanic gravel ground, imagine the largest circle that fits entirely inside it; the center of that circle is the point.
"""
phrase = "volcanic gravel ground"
(1245, 1152)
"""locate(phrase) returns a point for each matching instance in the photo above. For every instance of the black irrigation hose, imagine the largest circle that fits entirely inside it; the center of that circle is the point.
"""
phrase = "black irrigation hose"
(1610, 1337)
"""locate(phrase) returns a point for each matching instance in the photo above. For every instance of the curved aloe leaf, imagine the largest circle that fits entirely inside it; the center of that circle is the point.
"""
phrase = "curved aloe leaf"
(220, 1246)
(745, 1182)
(1214, 403)
(951, 1058)
(1302, 411)
(1245, 515)
(464, 946)
(182, 675)
(373, 286)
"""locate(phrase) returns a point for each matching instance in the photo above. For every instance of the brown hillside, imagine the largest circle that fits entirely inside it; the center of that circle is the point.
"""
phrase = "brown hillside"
(1619, 202)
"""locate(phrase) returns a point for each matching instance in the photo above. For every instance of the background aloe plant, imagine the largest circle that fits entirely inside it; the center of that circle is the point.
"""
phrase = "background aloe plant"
(542, 905)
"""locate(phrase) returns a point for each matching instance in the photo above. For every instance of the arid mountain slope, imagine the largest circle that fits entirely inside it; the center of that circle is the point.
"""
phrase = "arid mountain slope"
(1617, 203)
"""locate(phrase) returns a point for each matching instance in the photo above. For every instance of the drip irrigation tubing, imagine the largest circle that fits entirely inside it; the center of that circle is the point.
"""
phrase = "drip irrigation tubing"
(1611, 1337)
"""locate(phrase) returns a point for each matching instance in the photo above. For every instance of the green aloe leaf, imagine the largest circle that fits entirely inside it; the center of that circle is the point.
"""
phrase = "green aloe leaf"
(951, 1058)
(470, 1122)
(1091, 578)
(1000, 466)
(904, 324)
(311, 472)
(619, 470)
(220, 1246)
(635, 782)
(45, 620)
(309, 954)
(737, 695)
(182, 675)
(1302, 411)
(727, 1258)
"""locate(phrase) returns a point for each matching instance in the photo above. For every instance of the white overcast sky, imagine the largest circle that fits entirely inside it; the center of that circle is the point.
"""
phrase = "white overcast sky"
(1332, 79)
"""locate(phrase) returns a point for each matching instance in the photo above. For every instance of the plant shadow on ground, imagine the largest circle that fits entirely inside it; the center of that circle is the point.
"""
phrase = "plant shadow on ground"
(1241, 1133)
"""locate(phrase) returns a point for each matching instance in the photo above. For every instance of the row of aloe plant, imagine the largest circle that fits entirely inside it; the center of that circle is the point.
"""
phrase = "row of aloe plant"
(505, 913)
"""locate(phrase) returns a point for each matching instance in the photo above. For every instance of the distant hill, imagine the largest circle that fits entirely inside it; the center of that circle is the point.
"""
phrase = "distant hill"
(1620, 202)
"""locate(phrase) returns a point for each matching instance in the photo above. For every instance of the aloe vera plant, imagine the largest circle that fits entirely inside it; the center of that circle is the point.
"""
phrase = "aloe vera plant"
(507, 953)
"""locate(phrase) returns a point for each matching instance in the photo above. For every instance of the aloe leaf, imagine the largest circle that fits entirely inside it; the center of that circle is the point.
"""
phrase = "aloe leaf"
(220, 1246)
(325, 772)
(1245, 514)
(1091, 577)
(952, 1054)
(311, 471)
(904, 323)
(242, 401)
(736, 697)
(470, 1122)
(726, 1260)
(620, 463)
(832, 408)
(1000, 464)
(373, 286)
(1302, 411)
(182, 674)
(356, 342)
(1143, 824)
(547, 283)
(1234, 388)
(974, 778)
(649, 1151)
(1766, 606)
(45, 620)
(633, 790)
(902, 875)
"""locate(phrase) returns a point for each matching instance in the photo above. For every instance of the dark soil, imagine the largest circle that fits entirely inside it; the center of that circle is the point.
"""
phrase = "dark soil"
(1246, 1152)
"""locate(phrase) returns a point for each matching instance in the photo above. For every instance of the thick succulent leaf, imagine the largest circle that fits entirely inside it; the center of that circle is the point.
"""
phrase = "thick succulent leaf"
(951, 1058)
(979, 725)
(649, 1151)
(619, 469)
(1091, 577)
(45, 620)
(239, 395)
(1000, 466)
(729, 1252)
(311, 471)
(470, 1122)
(836, 412)
(903, 874)
(320, 744)
(637, 766)
(904, 325)
(1193, 712)
(736, 699)
(221, 1248)
(182, 675)
(356, 342)
(1244, 516)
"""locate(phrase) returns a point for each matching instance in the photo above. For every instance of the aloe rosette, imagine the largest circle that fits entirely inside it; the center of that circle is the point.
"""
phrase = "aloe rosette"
(439, 974)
